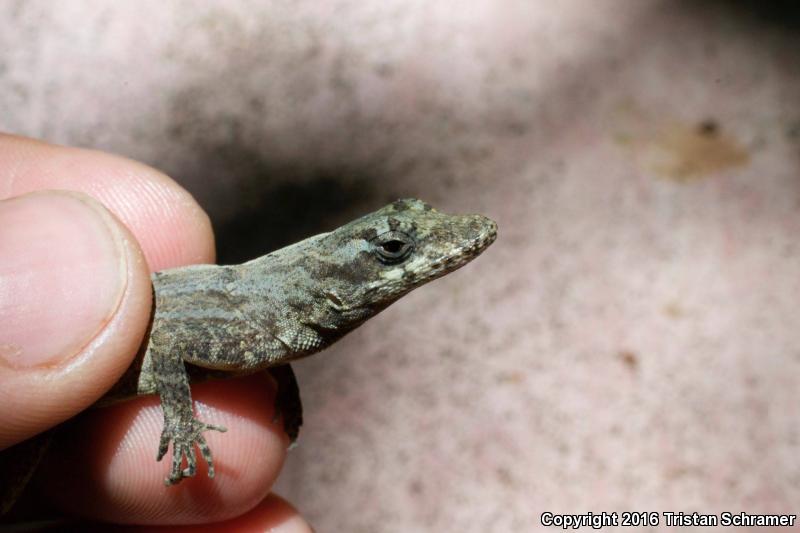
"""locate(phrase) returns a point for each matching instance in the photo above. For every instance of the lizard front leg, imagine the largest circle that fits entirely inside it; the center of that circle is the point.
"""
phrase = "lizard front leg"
(180, 426)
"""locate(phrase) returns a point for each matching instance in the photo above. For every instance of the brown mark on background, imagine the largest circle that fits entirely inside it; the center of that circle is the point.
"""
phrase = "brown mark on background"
(685, 153)
(678, 151)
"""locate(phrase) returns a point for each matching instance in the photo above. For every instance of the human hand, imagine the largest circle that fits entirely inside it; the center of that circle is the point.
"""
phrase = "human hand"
(75, 301)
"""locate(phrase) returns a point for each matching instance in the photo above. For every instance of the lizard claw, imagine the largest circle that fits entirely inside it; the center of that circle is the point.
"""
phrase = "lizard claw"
(184, 436)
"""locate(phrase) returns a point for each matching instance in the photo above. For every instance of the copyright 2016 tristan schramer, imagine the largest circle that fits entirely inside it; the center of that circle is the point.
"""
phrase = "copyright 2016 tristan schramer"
(664, 518)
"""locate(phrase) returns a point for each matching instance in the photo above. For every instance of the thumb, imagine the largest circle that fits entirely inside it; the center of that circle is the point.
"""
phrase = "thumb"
(75, 301)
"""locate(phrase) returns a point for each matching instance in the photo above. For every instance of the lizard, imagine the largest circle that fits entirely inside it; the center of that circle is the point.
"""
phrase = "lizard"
(211, 321)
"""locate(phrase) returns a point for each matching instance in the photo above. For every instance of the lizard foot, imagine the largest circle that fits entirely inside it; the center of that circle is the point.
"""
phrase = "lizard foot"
(184, 436)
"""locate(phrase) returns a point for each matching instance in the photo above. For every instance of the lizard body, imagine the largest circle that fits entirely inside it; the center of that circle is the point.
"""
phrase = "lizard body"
(288, 304)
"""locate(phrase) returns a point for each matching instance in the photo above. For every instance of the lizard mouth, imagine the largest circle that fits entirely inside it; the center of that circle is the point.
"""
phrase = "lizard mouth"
(486, 236)
(476, 233)
(481, 232)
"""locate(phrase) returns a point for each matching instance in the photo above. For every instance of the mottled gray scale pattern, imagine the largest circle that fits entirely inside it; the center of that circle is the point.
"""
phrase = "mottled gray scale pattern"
(288, 304)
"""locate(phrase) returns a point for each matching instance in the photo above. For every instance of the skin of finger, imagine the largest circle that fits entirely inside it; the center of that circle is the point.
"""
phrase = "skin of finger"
(168, 223)
(273, 514)
(36, 398)
(104, 467)
(173, 231)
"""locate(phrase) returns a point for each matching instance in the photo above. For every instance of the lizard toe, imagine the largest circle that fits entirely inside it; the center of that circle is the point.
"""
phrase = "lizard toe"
(184, 438)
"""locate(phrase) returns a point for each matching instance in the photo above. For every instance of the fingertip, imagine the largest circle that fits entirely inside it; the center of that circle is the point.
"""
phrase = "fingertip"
(105, 469)
(273, 514)
(75, 301)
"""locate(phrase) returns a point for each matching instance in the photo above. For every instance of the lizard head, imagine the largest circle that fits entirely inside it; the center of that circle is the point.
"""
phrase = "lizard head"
(369, 263)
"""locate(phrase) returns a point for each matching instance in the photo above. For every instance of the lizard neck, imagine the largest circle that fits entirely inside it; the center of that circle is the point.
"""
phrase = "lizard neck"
(292, 294)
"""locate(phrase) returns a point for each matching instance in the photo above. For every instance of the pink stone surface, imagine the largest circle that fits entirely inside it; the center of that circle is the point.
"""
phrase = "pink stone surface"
(631, 340)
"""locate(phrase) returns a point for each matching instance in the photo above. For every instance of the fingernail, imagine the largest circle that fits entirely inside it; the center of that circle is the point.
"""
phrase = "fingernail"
(62, 276)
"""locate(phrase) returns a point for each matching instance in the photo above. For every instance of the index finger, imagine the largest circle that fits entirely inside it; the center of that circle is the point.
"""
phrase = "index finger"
(167, 222)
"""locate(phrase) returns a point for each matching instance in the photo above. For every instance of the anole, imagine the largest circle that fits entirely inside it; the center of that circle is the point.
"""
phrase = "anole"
(289, 304)
(211, 320)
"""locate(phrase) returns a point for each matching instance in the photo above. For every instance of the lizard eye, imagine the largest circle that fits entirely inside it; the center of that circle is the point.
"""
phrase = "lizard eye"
(393, 247)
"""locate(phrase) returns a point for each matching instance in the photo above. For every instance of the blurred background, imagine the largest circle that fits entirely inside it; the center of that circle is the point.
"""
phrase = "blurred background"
(630, 342)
